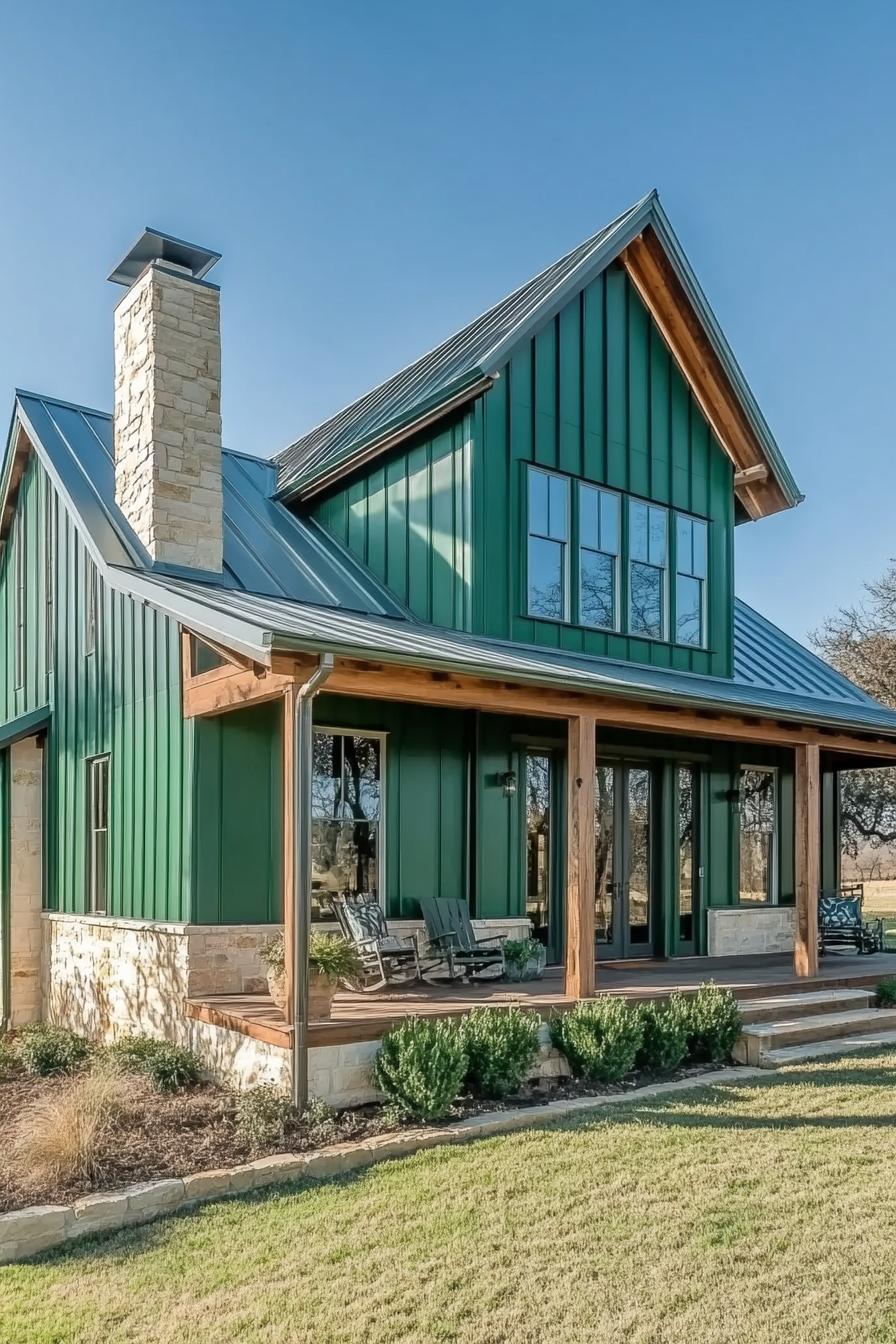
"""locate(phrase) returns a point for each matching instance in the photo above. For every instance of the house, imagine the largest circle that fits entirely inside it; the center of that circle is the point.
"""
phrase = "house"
(476, 635)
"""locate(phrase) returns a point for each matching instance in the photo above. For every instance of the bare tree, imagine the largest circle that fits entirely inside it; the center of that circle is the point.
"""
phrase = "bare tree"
(860, 642)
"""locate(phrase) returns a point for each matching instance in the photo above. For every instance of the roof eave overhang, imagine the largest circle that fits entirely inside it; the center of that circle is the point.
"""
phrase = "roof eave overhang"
(819, 717)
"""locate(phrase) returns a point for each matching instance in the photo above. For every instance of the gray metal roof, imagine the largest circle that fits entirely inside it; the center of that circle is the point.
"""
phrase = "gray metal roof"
(267, 549)
(478, 351)
(287, 585)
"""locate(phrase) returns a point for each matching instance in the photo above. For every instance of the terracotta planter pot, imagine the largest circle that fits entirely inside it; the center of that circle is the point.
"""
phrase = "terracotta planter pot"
(320, 997)
(277, 987)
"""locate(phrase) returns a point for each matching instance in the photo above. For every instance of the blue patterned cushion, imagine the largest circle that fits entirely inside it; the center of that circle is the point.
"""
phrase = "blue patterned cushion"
(839, 912)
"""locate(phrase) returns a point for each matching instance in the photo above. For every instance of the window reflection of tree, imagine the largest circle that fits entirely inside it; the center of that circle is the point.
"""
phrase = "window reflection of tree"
(345, 814)
(646, 600)
(639, 849)
(538, 821)
(686, 838)
(603, 867)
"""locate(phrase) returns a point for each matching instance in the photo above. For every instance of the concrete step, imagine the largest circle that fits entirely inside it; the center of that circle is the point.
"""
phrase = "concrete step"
(788, 1006)
(843, 1045)
(759, 1038)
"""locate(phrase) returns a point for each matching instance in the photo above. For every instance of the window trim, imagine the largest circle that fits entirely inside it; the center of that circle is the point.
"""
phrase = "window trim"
(615, 556)
(663, 636)
(91, 608)
(702, 580)
(92, 762)
(531, 468)
(774, 897)
(382, 737)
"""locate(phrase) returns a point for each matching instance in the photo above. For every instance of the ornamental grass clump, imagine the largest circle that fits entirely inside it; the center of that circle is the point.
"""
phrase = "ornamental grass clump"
(333, 957)
(665, 1027)
(420, 1067)
(169, 1067)
(714, 1024)
(44, 1049)
(500, 1049)
(62, 1137)
(600, 1038)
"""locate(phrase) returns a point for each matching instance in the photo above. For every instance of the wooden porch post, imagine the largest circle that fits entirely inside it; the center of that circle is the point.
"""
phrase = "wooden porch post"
(806, 857)
(580, 765)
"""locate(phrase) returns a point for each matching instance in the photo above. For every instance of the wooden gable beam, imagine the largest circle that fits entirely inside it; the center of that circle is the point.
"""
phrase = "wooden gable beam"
(20, 453)
(660, 290)
(239, 683)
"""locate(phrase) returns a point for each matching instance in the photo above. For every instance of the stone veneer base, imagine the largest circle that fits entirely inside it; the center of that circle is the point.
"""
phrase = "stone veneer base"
(28, 1232)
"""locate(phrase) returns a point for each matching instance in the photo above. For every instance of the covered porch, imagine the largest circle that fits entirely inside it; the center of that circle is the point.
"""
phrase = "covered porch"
(636, 902)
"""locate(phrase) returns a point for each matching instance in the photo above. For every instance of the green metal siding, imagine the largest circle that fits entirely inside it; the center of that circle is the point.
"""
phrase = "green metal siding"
(124, 698)
(597, 395)
(238, 817)
(410, 522)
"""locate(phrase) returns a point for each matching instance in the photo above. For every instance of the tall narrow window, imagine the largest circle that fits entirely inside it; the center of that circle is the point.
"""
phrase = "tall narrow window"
(97, 833)
(686, 848)
(548, 561)
(648, 559)
(598, 557)
(90, 607)
(21, 632)
(346, 818)
(758, 826)
(690, 580)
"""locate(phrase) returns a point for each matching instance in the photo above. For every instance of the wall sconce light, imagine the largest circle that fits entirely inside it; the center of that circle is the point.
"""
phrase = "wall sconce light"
(733, 795)
(508, 783)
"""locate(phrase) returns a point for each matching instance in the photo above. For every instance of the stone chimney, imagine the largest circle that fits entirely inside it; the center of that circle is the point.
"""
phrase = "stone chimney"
(167, 424)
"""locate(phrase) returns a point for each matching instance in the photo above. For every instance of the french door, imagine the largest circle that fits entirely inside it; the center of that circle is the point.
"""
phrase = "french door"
(624, 915)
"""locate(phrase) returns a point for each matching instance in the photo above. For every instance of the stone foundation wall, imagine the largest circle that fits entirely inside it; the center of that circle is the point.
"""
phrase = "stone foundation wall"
(25, 880)
(750, 930)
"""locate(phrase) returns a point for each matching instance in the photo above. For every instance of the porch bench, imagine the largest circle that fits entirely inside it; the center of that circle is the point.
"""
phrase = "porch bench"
(840, 923)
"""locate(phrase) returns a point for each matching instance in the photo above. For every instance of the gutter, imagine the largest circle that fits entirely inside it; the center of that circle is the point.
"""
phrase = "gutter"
(302, 722)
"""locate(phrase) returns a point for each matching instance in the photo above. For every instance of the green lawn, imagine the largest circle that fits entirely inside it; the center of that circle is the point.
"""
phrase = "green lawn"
(762, 1213)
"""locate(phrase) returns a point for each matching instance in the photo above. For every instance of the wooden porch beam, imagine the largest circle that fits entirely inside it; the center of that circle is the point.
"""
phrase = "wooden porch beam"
(388, 681)
(222, 690)
(807, 857)
(580, 768)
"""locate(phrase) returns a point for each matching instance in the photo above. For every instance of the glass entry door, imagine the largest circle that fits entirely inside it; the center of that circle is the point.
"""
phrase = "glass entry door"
(539, 856)
(623, 913)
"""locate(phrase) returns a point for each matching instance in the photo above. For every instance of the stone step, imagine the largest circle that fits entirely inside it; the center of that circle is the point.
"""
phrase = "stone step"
(761, 1037)
(788, 1006)
(843, 1045)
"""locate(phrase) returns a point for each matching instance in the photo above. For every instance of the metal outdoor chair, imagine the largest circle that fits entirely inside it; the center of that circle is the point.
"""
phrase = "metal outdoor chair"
(385, 958)
(840, 923)
(451, 935)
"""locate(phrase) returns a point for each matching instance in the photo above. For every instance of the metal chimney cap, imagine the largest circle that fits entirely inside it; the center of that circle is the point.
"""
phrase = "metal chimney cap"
(153, 245)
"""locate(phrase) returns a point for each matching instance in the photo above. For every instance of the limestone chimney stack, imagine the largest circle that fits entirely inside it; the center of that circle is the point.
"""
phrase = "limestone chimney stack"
(167, 418)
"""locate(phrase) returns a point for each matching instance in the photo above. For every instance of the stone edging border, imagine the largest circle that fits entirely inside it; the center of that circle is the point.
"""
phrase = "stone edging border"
(27, 1232)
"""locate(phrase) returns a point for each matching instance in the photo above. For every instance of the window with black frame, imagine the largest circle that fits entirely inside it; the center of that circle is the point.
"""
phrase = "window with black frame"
(346, 818)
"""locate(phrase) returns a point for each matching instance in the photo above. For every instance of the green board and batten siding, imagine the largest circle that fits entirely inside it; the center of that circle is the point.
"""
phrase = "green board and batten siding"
(594, 394)
(124, 698)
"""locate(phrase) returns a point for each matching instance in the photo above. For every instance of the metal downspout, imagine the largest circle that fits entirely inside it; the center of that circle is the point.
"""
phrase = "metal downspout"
(301, 892)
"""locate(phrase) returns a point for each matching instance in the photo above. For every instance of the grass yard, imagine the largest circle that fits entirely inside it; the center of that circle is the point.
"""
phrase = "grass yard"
(759, 1214)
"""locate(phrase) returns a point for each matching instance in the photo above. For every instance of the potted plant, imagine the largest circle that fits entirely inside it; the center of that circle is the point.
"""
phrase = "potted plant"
(524, 959)
(330, 959)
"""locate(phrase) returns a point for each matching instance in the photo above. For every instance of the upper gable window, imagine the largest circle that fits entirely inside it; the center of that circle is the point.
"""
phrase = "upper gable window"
(599, 544)
(648, 547)
(548, 550)
(690, 580)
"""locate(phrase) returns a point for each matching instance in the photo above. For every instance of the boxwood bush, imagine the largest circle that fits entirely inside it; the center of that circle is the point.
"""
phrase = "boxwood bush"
(885, 993)
(169, 1067)
(500, 1048)
(420, 1067)
(600, 1038)
(45, 1049)
(666, 1027)
(714, 1023)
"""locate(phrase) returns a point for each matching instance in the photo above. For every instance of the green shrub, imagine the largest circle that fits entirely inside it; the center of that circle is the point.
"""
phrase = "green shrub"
(169, 1067)
(321, 1123)
(665, 1026)
(262, 1117)
(885, 993)
(333, 957)
(714, 1023)
(9, 1058)
(500, 1048)
(420, 1067)
(45, 1049)
(600, 1038)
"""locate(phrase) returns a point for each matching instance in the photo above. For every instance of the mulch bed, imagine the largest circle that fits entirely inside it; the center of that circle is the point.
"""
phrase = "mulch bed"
(177, 1133)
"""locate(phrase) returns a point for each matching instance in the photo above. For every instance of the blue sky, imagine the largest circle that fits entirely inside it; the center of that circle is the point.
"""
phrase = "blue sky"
(375, 175)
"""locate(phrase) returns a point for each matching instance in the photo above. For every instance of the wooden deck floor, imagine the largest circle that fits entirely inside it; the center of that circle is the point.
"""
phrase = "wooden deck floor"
(364, 1017)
